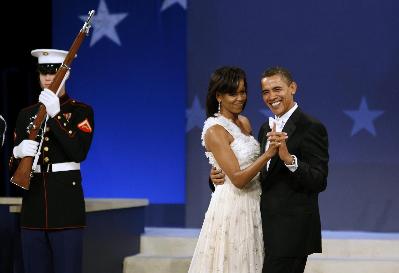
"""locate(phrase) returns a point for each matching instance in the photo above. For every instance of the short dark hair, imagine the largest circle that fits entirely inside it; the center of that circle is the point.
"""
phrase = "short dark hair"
(224, 80)
(278, 70)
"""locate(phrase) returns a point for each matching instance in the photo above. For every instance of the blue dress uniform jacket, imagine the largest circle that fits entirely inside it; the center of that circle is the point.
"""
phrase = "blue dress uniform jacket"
(55, 199)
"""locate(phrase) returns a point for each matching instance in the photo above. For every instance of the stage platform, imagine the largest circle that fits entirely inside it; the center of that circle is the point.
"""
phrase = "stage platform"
(116, 241)
(169, 250)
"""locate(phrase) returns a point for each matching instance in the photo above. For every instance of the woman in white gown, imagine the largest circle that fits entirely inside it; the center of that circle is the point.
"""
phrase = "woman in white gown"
(231, 238)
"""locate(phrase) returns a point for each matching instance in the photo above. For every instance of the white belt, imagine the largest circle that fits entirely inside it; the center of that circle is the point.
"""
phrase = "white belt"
(59, 167)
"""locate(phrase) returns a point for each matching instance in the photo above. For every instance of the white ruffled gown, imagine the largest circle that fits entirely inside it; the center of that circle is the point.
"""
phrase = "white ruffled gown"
(231, 238)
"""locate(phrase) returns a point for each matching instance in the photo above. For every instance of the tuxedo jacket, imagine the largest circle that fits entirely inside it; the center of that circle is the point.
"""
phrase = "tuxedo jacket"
(55, 200)
(289, 201)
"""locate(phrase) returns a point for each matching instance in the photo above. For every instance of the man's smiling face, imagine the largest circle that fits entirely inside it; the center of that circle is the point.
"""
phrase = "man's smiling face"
(278, 94)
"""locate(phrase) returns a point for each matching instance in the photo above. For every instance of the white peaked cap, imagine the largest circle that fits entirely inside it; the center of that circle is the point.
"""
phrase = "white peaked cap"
(49, 56)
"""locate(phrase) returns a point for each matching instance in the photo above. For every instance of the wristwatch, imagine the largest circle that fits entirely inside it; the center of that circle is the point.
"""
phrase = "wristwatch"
(293, 162)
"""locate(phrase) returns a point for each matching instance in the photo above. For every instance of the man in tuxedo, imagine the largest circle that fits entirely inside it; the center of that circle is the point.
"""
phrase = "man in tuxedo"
(292, 180)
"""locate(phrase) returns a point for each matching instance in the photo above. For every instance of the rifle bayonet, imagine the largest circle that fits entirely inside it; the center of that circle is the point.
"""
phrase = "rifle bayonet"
(87, 24)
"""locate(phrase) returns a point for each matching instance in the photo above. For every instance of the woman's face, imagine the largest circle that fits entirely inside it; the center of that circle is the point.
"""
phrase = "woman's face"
(233, 103)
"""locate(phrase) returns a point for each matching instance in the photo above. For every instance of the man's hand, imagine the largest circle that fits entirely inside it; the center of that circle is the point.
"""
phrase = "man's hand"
(276, 139)
(284, 154)
(51, 101)
(217, 176)
(25, 148)
(277, 144)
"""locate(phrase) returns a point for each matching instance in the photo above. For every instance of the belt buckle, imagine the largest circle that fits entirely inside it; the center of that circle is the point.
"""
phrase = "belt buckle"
(48, 168)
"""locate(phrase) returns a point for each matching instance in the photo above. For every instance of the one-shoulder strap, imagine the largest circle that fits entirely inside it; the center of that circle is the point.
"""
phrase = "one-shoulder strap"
(230, 127)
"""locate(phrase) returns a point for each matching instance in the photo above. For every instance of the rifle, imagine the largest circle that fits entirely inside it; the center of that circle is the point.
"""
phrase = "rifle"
(23, 173)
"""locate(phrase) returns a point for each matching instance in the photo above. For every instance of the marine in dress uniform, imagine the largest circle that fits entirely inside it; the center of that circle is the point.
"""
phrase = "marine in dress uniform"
(53, 209)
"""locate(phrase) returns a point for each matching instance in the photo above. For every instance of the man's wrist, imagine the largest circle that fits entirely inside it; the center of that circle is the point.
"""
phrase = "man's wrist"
(293, 165)
(290, 160)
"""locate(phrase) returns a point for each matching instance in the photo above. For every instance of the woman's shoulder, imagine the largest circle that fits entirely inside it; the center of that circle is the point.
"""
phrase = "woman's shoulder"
(216, 127)
(245, 123)
(216, 120)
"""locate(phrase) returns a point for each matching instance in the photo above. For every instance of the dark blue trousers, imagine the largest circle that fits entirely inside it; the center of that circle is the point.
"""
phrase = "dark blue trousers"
(57, 251)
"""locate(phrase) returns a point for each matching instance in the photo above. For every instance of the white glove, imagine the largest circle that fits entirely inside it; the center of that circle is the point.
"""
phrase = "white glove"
(25, 148)
(51, 101)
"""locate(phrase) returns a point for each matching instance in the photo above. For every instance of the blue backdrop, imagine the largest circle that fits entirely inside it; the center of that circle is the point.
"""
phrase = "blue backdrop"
(149, 111)
(344, 56)
(132, 70)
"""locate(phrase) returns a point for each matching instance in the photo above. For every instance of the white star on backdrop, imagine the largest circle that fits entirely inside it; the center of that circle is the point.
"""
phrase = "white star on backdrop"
(195, 115)
(363, 118)
(167, 3)
(104, 24)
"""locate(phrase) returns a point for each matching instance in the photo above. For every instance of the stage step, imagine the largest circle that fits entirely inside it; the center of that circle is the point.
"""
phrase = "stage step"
(360, 244)
(145, 263)
(169, 250)
(169, 241)
(351, 265)
(163, 250)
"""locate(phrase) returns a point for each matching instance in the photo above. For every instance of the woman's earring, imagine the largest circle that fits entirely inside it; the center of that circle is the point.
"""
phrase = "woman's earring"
(219, 108)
